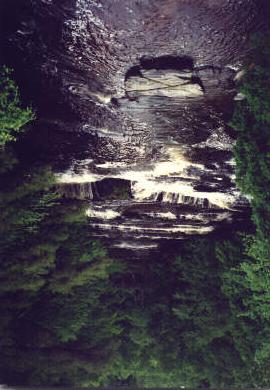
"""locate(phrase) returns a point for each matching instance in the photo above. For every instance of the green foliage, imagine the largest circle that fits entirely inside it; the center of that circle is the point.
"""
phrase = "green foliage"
(13, 118)
(252, 122)
(51, 277)
(247, 283)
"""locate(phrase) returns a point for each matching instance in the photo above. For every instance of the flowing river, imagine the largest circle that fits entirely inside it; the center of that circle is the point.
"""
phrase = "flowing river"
(134, 99)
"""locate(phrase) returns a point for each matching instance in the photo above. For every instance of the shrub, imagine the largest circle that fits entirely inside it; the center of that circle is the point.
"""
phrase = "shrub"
(13, 118)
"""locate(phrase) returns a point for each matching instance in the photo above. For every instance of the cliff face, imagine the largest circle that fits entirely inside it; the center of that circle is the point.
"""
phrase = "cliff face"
(137, 92)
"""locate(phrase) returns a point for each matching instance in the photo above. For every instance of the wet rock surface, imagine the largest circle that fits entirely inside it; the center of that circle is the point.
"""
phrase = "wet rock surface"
(138, 93)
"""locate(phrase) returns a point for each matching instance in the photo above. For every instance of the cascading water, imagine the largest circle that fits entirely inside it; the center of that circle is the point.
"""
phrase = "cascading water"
(141, 92)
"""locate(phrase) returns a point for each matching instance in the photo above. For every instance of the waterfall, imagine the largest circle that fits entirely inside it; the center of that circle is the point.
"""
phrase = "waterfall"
(138, 105)
(77, 190)
(178, 198)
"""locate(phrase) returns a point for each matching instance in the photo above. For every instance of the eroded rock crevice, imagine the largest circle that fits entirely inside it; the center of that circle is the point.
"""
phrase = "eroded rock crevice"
(175, 76)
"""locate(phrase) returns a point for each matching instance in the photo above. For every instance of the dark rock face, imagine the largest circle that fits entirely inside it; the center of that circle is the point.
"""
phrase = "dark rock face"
(167, 62)
(72, 48)
(84, 60)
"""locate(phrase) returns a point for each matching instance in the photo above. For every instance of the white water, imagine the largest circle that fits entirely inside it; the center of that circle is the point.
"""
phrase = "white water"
(102, 214)
(185, 229)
